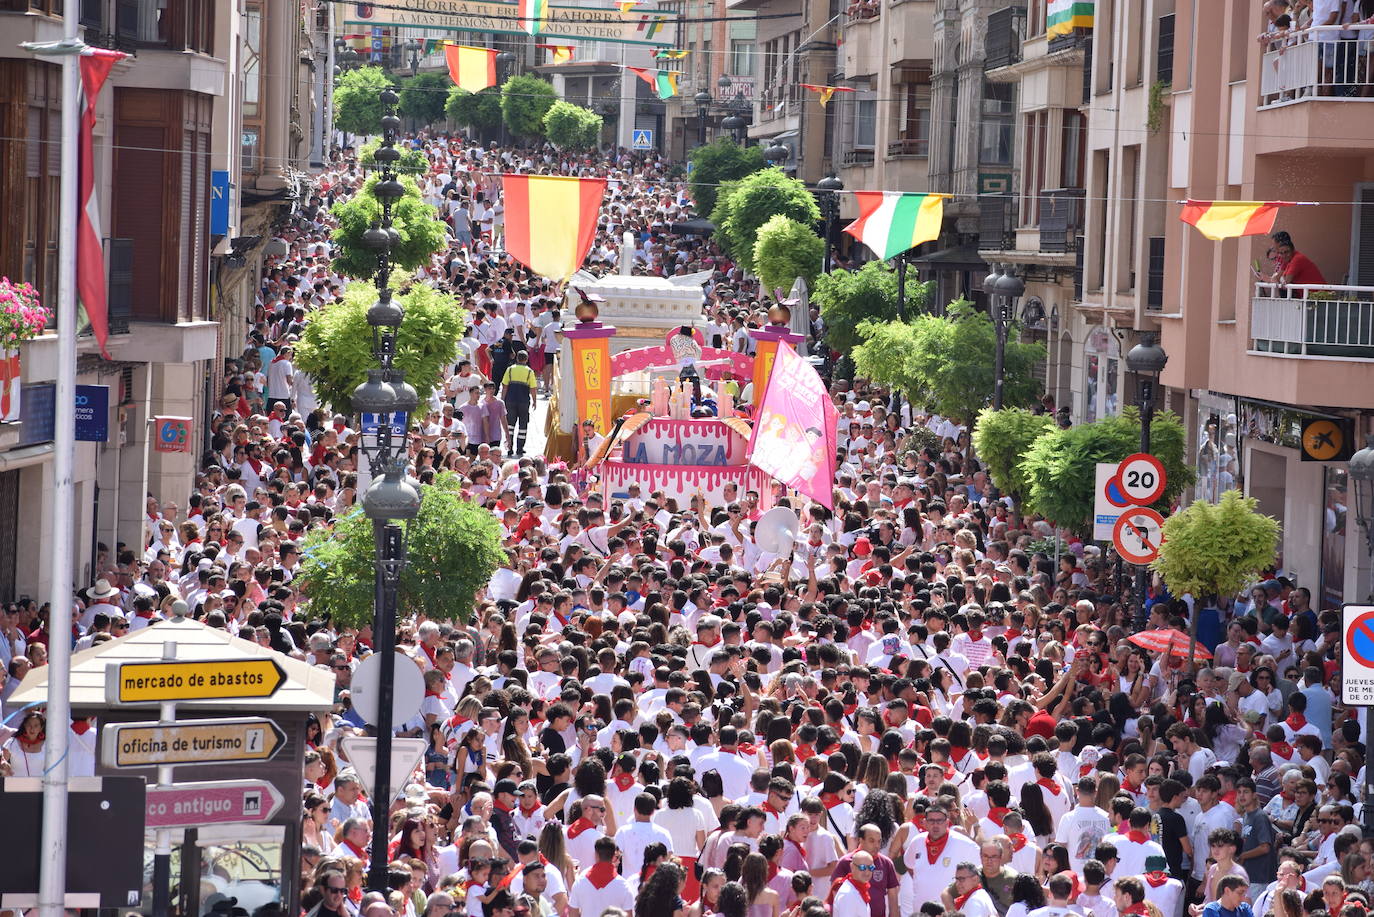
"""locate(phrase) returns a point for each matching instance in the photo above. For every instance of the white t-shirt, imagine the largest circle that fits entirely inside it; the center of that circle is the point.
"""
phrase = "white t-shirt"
(1080, 831)
(591, 901)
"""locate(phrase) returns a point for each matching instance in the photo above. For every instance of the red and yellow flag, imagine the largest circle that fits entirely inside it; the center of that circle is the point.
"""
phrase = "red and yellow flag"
(559, 54)
(825, 92)
(626, 5)
(472, 69)
(551, 221)
(1219, 220)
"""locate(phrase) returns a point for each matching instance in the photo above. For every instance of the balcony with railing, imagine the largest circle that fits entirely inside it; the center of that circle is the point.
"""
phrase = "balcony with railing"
(1313, 320)
(1317, 63)
(997, 223)
(1061, 220)
(1006, 31)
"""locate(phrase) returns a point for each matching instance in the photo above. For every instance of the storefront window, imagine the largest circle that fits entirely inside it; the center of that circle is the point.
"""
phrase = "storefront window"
(1218, 468)
(1334, 525)
(1101, 366)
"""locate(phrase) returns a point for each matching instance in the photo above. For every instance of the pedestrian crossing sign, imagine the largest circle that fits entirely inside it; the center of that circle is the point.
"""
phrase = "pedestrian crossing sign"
(642, 139)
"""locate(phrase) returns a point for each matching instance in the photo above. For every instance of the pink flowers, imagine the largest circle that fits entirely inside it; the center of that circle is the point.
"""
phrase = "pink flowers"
(22, 316)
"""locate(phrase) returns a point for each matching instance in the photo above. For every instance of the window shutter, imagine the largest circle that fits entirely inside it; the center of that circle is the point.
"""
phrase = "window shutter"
(1364, 254)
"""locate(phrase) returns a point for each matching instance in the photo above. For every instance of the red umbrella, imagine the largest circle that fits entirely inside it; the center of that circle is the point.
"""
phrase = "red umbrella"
(1167, 640)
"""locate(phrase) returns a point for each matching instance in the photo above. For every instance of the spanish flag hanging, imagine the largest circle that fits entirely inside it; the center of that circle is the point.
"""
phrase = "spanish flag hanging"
(471, 69)
(1219, 220)
(559, 54)
(551, 221)
(825, 92)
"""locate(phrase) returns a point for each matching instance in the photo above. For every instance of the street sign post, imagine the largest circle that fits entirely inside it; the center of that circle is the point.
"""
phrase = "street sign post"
(641, 139)
(222, 802)
(1141, 478)
(191, 742)
(1138, 534)
(1107, 501)
(172, 681)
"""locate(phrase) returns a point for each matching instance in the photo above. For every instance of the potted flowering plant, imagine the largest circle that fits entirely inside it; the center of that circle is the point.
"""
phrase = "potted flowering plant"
(22, 316)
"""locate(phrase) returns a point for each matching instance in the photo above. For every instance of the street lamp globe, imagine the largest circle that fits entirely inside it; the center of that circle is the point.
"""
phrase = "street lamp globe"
(991, 280)
(1362, 480)
(702, 98)
(1147, 358)
(776, 153)
(831, 184)
(734, 122)
(1010, 285)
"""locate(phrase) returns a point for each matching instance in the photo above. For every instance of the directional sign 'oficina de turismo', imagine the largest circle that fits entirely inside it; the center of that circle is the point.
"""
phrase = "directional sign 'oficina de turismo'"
(191, 742)
(214, 679)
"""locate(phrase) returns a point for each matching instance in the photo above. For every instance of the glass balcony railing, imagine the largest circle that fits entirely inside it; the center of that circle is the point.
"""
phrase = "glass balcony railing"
(1316, 320)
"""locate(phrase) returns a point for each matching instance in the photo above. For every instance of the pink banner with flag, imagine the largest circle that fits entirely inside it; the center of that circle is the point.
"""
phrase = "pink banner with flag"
(794, 431)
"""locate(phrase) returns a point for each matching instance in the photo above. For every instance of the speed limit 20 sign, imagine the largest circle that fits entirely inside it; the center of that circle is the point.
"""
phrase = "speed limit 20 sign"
(1140, 479)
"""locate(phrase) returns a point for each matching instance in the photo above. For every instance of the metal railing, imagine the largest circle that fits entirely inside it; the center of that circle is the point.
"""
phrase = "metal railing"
(858, 157)
(910, 146)
(1006, 30)
(1318, 62)
(996, 219)
(1313, 320)
(1061, 219)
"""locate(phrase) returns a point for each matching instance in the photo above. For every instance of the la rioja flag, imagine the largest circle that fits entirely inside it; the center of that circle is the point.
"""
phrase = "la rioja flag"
(90, 258)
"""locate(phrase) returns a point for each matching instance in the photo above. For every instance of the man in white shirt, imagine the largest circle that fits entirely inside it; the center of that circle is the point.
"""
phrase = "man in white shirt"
(852, 894)
(734, 772)
(1060, 888)
(1082, 828)
(601, 886)
(633, 838)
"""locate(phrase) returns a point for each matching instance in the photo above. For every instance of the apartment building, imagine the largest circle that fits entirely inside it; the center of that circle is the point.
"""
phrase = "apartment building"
(207, 126)
(1256, 364)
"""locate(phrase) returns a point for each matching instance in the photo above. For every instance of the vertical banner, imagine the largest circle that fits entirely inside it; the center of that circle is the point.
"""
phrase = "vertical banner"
(10, 379)
(794, 430)
(590, 343)
(171, 434)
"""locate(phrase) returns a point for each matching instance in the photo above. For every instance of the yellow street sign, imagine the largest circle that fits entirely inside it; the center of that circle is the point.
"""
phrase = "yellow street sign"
(215, 679)
(190, 742)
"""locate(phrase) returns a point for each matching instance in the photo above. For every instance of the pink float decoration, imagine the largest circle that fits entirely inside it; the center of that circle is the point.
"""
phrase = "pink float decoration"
(641, 358)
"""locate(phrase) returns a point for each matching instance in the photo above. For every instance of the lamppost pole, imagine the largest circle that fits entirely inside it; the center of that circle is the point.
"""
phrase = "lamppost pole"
(1146, 359)
(828, 189)
(703, 100)
(390, 497)
(1004, 288)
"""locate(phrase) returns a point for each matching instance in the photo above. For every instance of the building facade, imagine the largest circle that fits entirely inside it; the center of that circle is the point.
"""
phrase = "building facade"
(207, 124)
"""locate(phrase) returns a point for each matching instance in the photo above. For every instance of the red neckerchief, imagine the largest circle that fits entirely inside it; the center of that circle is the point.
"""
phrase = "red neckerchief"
(1138, 909)
(81, 726)
(1229, 798)
(577, 827)
(1018, 840)
(801, 852)
(1140, 837)
(769, 810)
(957, 752)
(430, 653)
(433, 694)
(934, 848)
(357, 851)
(1051, 785)
(601, 875)
(888, 723)
(711, 645)
(960, 901)
(1156, 879)
(1296, 721)
(975, 636)
(623, 781)
(502, 807)
(805, 751)
(948, 767)
(455, 721)
(145, 615)
(1281, 749)
(772, 871)
(850, 708)
(832, 801)
(530, 811)
(1012, 633)
(860, 887)
(1133, 788)
(996, 814)
(509, 877)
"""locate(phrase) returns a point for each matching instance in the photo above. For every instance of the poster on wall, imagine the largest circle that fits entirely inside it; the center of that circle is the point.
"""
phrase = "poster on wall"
(171, 434)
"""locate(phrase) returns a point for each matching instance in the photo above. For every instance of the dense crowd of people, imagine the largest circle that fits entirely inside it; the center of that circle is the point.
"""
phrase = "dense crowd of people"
(930, 710)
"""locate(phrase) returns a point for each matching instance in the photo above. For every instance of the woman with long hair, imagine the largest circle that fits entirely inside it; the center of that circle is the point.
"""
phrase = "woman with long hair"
(733, 900)
(762, 900)
(314, 814)
(26, 747)
(1027, 894)
(683, 820)
(712, 881)
(660, 894)
(553, 847)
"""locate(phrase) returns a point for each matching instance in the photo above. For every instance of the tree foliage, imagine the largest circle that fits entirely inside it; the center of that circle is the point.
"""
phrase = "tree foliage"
(421, 232)
(786, 250)
(1061, 466)
(335, 348)
(1215, 549)
(572, 127)
(525, 100)
(412, 161)
(721, 160)
(357, 100)
(477, 111)
(945, 362)
(744, 206)
(423, 96)
(1002, 438)
(849, 298)
(453, 545)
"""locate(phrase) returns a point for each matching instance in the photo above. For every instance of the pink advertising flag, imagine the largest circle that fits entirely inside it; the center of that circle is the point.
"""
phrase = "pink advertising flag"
(794, 432)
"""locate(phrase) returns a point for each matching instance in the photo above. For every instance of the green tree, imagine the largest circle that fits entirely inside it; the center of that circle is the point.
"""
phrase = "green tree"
(572, 127)
(423, 96)
(945, 362)
(421, 232)
(1001, 438)
(335, 348)
(721, 160)
(1216, 549)
(849, 298)
(453, 547)
(744, 206)
(479, 111)
(786, 250)
(412, 162)
(1061, 465)
(357, 100)
(524, 102)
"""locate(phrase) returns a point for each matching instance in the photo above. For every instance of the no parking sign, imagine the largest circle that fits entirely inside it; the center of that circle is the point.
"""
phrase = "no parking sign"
(1357, 655)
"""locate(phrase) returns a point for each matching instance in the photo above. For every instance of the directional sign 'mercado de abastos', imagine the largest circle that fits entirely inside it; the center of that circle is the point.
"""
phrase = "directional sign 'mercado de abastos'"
(214, 679)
